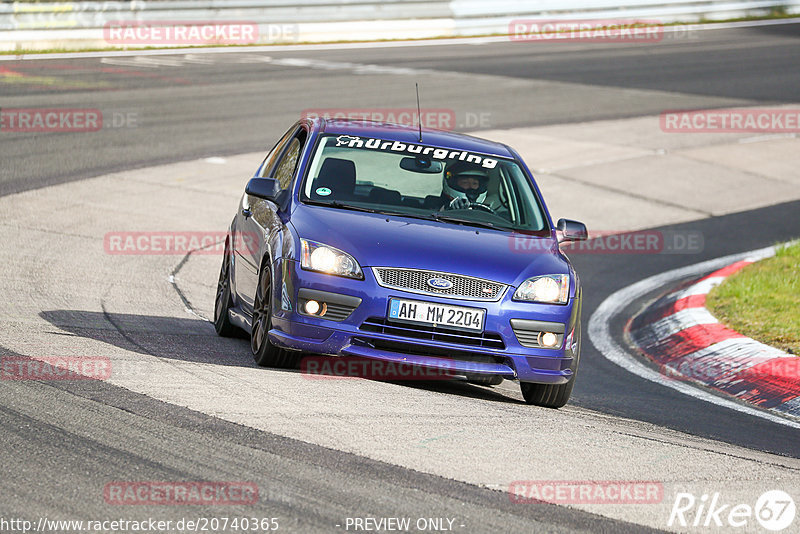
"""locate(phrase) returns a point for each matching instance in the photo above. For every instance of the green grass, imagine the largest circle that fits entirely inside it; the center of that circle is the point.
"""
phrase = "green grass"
(762, 300)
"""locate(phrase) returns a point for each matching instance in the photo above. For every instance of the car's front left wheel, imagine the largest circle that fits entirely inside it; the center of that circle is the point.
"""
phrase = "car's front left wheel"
(553, 395)
(547, 395)
(264, 352)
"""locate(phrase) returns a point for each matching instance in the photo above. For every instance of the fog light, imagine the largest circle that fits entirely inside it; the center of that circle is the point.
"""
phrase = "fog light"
(312, 307)
(548, 339)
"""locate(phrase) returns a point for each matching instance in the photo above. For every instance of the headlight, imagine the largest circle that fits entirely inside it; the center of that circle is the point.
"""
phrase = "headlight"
(324, 259)
(550, 288)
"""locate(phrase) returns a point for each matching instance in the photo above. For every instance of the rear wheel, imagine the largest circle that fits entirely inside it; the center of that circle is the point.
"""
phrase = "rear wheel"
(224, 300)
(553, 395)
(264, 352)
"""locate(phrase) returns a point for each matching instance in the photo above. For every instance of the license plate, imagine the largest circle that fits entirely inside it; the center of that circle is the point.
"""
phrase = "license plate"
(415, 311)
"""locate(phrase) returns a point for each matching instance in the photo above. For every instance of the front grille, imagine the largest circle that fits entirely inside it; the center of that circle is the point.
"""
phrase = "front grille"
(338, 312)
(416, 281)
(413, 349)
(487, 340)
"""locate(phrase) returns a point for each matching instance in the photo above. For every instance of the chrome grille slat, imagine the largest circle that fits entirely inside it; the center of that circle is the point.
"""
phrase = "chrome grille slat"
(416, 281)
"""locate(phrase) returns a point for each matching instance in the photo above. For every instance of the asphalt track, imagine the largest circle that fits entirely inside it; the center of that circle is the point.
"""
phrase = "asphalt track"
(62, 441)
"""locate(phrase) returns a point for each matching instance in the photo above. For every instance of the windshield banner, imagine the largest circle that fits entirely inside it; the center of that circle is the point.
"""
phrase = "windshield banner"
(350, 141)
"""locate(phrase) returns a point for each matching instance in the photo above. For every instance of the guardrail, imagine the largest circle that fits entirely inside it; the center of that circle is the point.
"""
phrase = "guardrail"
(55, 24)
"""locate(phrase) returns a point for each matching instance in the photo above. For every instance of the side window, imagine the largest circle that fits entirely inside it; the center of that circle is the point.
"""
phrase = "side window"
(285, 170)
(272, 157)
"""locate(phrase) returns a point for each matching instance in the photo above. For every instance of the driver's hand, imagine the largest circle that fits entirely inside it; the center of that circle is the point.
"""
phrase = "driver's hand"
(459, 203)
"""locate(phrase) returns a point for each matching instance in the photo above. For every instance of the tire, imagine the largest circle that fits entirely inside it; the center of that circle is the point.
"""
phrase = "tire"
(547, 395)
(224, 300)
(552, 395)
(264, 352)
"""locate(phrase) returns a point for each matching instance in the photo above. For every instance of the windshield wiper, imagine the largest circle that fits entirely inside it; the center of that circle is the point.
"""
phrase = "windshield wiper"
(469, 222)
(339, 205)
(437, 216)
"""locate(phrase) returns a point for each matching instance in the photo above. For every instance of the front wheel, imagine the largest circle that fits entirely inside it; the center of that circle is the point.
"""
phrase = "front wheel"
(553, 395)
(547, 395)
(264, 352)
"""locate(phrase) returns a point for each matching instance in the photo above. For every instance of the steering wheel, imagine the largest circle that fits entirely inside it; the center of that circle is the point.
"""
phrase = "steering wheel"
(480, 207)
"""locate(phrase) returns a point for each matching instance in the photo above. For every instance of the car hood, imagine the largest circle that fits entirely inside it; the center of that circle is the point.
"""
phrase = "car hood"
(376, 240)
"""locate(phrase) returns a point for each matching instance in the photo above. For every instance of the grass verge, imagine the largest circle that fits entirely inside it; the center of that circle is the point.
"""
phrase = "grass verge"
(762, 301)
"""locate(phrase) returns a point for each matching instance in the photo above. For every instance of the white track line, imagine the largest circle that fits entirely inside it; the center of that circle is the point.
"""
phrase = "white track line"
(363, 44)
(601, 338)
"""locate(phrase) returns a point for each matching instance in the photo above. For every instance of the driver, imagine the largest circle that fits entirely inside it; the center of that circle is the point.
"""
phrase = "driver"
(464, 185)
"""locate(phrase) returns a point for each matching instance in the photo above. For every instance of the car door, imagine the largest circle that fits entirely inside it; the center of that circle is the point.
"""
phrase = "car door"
(259, 218)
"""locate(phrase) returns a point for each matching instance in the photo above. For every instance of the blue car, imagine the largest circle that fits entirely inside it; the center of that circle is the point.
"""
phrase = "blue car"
(384, 242)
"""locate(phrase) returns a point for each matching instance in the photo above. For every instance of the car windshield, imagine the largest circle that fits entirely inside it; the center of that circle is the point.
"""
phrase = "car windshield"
(417, 180)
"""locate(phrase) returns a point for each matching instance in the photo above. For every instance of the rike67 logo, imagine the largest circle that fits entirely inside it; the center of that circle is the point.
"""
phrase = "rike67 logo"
(774, 510)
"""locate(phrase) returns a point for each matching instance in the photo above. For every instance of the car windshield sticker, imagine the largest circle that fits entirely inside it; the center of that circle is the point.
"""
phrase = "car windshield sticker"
(323, 191)
(350, 141)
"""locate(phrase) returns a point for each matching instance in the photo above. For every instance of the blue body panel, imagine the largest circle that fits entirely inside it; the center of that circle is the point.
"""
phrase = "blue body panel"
(377, 240)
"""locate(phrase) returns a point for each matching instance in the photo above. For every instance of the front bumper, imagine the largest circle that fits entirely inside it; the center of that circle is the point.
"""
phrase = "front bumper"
(365, 332)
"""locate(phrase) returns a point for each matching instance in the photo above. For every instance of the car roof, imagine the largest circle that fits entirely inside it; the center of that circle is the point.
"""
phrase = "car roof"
(410, 134)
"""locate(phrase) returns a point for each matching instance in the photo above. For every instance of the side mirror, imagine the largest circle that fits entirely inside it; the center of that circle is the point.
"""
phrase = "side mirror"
(571, 230)
(266, 188)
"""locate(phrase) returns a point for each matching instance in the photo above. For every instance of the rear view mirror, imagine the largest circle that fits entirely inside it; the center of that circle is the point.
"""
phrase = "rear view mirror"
(266, 188)
(571, 230)
(421, 164)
